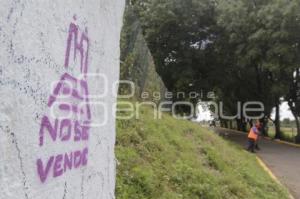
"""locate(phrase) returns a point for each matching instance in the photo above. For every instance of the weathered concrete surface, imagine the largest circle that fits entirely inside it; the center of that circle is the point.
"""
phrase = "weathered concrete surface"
(282, 159)
(48, 49)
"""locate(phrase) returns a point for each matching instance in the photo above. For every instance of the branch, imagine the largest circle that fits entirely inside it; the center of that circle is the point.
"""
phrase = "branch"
(271, 119)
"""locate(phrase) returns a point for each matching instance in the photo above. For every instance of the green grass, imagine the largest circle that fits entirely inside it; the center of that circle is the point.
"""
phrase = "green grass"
(288, 134)
(175, 159)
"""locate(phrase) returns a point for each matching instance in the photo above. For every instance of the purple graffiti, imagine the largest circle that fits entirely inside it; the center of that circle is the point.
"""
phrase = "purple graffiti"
(63, 129)
(70, 95)
(59, 164)
(78, 47)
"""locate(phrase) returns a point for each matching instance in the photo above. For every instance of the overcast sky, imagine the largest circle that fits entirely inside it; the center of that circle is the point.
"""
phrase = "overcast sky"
(284, 111)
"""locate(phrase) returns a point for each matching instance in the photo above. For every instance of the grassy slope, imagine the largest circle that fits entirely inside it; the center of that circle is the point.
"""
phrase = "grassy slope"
(172, 159)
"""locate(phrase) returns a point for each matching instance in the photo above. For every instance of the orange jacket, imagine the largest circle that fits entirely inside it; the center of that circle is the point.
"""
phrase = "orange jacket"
(253, 134)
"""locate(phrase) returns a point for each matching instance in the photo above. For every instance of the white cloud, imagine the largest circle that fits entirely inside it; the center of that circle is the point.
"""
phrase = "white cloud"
(285, 112)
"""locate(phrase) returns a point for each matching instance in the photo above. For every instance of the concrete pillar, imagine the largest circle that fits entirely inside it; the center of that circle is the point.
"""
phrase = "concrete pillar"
(59, 61)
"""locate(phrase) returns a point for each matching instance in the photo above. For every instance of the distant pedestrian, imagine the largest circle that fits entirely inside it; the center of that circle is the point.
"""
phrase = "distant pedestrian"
(253, 137)
(259, 128)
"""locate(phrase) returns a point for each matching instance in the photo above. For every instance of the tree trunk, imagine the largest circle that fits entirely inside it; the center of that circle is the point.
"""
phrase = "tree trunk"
(230, 124)
(264, 122)
(221, 123)
(250, 123)
(297, 137)
(225, 124)
(277, 122)
(243, 125)
(238, 124)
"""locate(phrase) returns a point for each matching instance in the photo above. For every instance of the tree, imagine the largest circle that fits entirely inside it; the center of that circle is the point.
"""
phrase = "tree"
(281, 19)
(266, 47)
(243, 50)
(178, 33)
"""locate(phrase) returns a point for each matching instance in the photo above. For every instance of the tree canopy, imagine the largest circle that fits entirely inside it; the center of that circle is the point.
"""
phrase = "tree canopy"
(243, 50)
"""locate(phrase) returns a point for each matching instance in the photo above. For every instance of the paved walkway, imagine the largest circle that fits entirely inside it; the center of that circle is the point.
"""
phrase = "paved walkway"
(283, 160)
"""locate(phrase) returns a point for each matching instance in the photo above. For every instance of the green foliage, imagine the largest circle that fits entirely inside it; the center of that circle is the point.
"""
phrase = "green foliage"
(172, 159)
(244, 50)
(263, 39)
(136, 61)
(177, 32)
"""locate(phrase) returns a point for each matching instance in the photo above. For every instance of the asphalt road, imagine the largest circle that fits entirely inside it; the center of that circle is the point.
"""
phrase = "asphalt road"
(283, 160)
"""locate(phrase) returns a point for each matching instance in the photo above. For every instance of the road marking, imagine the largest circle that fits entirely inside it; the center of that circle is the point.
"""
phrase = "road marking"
(272, 175)
(267, 169)
(287, 143)
(261, 162)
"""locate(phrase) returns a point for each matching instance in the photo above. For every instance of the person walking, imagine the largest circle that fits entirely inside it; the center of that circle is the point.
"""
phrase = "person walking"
(253, 137)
